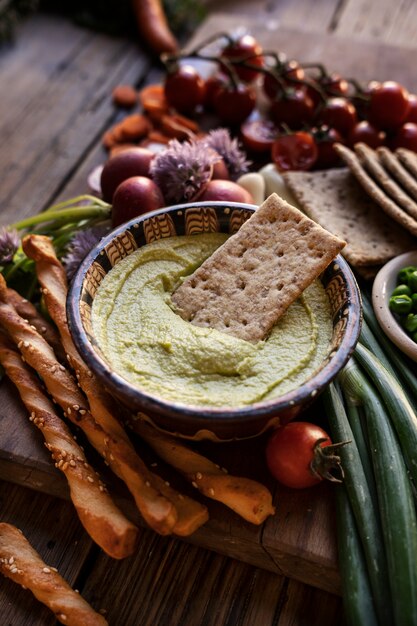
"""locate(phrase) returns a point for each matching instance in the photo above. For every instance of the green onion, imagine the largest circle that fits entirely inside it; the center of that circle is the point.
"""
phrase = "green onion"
(403, 416)
(360, 498)
(396, 506)
(357, 596)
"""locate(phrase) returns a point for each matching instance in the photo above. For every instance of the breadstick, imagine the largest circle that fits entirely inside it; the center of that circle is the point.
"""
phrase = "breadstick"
(156, 509)
(28, 311)
(20, 562)
(246, 497)
(103, 521)
(52, 278)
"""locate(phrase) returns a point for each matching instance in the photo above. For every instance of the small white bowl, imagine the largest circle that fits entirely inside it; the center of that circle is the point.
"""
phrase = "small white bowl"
(384, 283)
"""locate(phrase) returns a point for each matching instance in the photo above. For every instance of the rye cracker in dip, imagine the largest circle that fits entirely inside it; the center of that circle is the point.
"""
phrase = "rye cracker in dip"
(147, 342)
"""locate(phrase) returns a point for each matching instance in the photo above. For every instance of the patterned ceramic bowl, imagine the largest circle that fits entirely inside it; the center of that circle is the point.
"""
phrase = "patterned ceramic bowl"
(192, 421)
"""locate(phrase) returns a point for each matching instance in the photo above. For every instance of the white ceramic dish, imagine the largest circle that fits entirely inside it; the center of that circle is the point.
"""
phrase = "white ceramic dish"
(384, 283)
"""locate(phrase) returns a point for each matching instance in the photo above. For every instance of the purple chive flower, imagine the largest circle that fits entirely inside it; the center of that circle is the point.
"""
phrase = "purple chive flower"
(228, 148)
(182, 169)
(80, 245)
(9, 243)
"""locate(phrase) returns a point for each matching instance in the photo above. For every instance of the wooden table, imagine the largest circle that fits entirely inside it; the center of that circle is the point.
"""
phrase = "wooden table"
(55, 86)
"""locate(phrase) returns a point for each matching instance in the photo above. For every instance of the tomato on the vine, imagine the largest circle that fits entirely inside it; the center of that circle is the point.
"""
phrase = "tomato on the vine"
(295, 457)
(184, 89)
(245, 47)
(293, 107)
(259, 134)
(334, 84)
(365, 132)
(405, 137)
(213, 84)
(340, 114)
(389, 105)
(325, 139)
(296, 151)
(234, 104)
(412, 111)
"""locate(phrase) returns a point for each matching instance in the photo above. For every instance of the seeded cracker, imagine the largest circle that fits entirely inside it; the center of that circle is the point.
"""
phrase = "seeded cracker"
(251, 280)
(335, 199)
(371, 163)
(393, 165)
(408, 159)
(374, 190)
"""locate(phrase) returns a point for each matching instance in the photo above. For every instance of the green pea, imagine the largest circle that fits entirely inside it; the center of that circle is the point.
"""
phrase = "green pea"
(412, 281)
(414, 337)
(402, 290)
(410, 323)
(402, 276)
(400, 304)
(414, 301)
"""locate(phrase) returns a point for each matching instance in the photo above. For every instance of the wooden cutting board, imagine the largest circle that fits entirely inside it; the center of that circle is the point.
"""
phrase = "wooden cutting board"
(76, 74)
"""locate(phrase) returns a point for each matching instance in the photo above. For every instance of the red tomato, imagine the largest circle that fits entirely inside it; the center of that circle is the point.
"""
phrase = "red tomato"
(405, 137)
(389, 105)
(213, 84)
(297, 151)
(294, 107)
(293, 71)
(325, 139)
(412, 112)
(245, 47)
(334, 85)
(258, 135)
(290, 452)
(366, 133)
(184, 89)
(234, 105)
(340, 114)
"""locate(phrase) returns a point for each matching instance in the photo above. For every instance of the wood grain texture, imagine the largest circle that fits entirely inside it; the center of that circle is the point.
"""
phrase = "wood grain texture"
(53, 529)
(207, 589)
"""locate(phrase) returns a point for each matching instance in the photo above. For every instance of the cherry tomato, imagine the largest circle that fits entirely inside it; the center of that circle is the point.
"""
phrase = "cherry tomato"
(389, 105)
(289, 72)
(340, 114)
(405, 137)
(184, 89)
(297, 151)
(258, 135)
(294, 107)
(213, 84)
(290, 452)
(366, 133)
(334, 85)
(245, 47)
(325, 139)
(234, 105)
(412, 112)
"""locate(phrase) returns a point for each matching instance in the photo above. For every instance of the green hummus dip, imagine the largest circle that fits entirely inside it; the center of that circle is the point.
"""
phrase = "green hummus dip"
(152, 347)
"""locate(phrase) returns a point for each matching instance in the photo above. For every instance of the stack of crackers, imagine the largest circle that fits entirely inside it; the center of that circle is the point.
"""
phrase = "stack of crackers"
(371, 203)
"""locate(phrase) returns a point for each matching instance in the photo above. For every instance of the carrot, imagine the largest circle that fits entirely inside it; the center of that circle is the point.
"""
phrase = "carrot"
(153, 26)
(125, 96)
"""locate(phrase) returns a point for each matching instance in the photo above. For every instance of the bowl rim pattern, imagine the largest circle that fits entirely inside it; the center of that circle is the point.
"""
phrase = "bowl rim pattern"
(348, 316)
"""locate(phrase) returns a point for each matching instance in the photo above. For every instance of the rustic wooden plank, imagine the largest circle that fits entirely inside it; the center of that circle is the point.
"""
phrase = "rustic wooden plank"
(207, 589)
(393, 22)
(304, 518)
(61, 109)
(317, 16)
(55, 532)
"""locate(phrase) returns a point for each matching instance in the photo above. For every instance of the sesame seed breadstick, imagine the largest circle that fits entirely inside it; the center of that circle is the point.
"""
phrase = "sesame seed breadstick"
(156, 509)
(246, 497)
(52, 278)
(20, 562)
(28, 311)
(101, 518)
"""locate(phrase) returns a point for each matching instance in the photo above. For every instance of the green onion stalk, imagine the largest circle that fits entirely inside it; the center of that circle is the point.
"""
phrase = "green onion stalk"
(62, 222)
